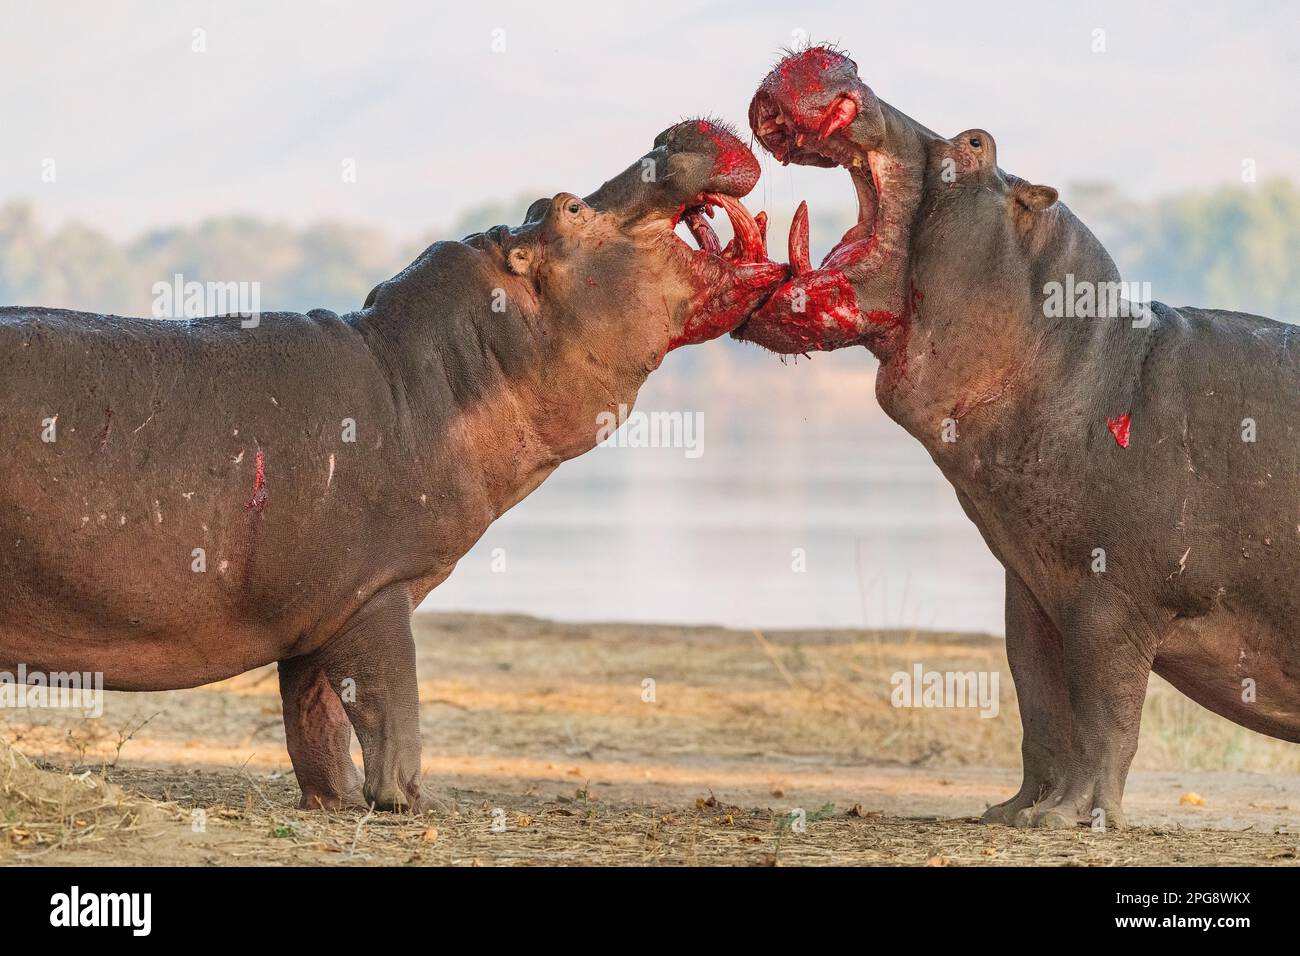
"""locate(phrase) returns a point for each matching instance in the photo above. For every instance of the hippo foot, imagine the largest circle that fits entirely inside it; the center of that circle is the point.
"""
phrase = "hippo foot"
(324, 800)
(403, 798)
(1055, 813)
(1005, 813)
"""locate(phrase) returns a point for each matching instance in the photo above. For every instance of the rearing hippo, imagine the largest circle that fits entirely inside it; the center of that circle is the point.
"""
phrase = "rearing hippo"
(181, 501)
(1134, 470)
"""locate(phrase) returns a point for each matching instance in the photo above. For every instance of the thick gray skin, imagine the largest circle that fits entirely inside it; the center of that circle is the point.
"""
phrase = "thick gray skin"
(1201, 530)
(460, 411)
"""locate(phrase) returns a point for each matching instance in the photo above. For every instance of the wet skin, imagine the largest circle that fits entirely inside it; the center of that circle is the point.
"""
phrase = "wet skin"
(1060, 435)
(467, 378)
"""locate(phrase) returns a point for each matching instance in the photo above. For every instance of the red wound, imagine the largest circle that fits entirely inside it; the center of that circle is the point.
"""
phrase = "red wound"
(1119, 428)
(258, 501)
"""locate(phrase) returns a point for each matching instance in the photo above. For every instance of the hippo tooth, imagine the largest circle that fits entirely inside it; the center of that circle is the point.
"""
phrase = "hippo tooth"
(748, 235)
(760, 220)
(800, 262)
(842, 112)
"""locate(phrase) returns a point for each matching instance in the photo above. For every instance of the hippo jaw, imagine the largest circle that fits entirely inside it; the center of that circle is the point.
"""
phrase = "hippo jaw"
(612, 267)
(706, 168)
(813, 110)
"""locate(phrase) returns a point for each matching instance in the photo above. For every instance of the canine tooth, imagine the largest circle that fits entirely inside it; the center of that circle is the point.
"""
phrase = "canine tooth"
(800, 262)
(749, 241)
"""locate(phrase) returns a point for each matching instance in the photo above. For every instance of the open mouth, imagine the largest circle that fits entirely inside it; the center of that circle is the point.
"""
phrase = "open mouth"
(820, 140)
(732, 281)
(749, 233)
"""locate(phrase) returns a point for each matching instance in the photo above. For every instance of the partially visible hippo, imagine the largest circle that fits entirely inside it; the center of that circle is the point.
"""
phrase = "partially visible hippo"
(1134, 469)
(183, 501)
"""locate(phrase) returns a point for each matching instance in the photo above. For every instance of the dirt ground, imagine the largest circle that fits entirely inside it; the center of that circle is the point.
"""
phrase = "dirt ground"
(548, 743)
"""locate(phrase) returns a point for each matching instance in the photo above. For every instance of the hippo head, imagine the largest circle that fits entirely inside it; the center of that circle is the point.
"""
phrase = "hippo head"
(612, 269)
(935, 215)
(812, 109)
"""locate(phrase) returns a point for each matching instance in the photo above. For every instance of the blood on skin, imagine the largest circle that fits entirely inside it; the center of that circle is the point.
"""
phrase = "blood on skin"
(258, 501)
(723, 313)
(1119, 428)
(799, 80)
(732, 159)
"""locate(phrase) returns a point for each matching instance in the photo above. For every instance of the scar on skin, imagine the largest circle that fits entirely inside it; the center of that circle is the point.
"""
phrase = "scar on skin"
(258, 501)
(330, 480)
(1119, 428)
(108, 428)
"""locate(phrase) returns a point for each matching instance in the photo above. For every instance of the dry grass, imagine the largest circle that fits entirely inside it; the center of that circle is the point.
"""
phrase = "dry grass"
(542, 725)
(43, 811)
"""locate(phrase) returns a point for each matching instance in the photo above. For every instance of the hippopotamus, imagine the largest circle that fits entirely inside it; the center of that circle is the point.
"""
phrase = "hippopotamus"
(182, 501)
(1132, 466)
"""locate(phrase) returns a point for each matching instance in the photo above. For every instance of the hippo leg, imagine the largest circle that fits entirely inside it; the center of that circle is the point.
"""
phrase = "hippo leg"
(1107, 662)
(319, 736)
(371, 661)
(1036, 657)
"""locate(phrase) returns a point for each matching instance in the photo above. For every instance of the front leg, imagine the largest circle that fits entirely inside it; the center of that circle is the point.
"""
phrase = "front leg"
(371, 665)
(1036, 658)
(1108, 655)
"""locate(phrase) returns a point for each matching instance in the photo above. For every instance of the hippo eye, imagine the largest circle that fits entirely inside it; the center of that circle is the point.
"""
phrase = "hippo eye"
(975, 141)
(574, 208)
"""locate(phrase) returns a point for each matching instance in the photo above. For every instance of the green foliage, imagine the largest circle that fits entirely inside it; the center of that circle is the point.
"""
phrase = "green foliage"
(1233, 248)
(1236, 247)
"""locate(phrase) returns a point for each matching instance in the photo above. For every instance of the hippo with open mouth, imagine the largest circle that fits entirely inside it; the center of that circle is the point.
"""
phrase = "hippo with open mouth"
(1133, 467)
(183, 501)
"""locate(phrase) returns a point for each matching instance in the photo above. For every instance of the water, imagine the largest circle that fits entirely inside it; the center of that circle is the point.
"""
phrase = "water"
(792, 458)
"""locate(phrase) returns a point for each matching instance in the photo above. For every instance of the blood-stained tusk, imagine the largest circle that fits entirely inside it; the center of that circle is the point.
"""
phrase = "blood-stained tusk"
(703, 233)
(800, 262)
(761, 221)
(748, 235)
(842, 112)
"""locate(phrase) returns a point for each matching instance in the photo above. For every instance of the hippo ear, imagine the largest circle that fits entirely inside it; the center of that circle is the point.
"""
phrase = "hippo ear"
(520, 260)
(1035, 198)
(537, 210)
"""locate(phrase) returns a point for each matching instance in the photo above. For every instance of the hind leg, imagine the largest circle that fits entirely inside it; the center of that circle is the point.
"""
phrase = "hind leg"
(319, 735)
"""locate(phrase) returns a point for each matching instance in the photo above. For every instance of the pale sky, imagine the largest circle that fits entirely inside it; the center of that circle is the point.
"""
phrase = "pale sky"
(144, 132)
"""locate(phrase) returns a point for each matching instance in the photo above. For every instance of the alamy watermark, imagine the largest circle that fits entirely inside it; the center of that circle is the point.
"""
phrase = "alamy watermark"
(922, 688)
(1085, 299)
(629, 429)
(180, 299)
(68, 690)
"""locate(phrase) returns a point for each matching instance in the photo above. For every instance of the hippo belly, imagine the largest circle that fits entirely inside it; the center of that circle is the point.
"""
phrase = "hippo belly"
(1237, 666)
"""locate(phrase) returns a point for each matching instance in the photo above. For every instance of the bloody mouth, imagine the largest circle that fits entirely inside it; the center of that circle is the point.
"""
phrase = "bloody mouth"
(734, 280)
(828, 146)
(749, 233)
(812, 110)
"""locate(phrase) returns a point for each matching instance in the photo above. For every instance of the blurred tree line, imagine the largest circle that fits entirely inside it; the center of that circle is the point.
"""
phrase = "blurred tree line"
(1234, 247)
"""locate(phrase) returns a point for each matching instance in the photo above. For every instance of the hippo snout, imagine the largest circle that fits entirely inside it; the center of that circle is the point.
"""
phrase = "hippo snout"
(724, 164)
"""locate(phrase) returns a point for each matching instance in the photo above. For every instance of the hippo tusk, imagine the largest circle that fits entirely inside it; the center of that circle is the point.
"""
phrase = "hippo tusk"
(749, 237)
(800, 262)
(842, 112)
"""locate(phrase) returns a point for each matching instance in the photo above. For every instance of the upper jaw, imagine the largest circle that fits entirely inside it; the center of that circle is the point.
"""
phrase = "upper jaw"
(709, 168)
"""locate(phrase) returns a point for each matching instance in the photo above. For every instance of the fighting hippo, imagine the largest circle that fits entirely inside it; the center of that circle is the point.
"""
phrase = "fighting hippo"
(1133, 469)
(181, 501)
